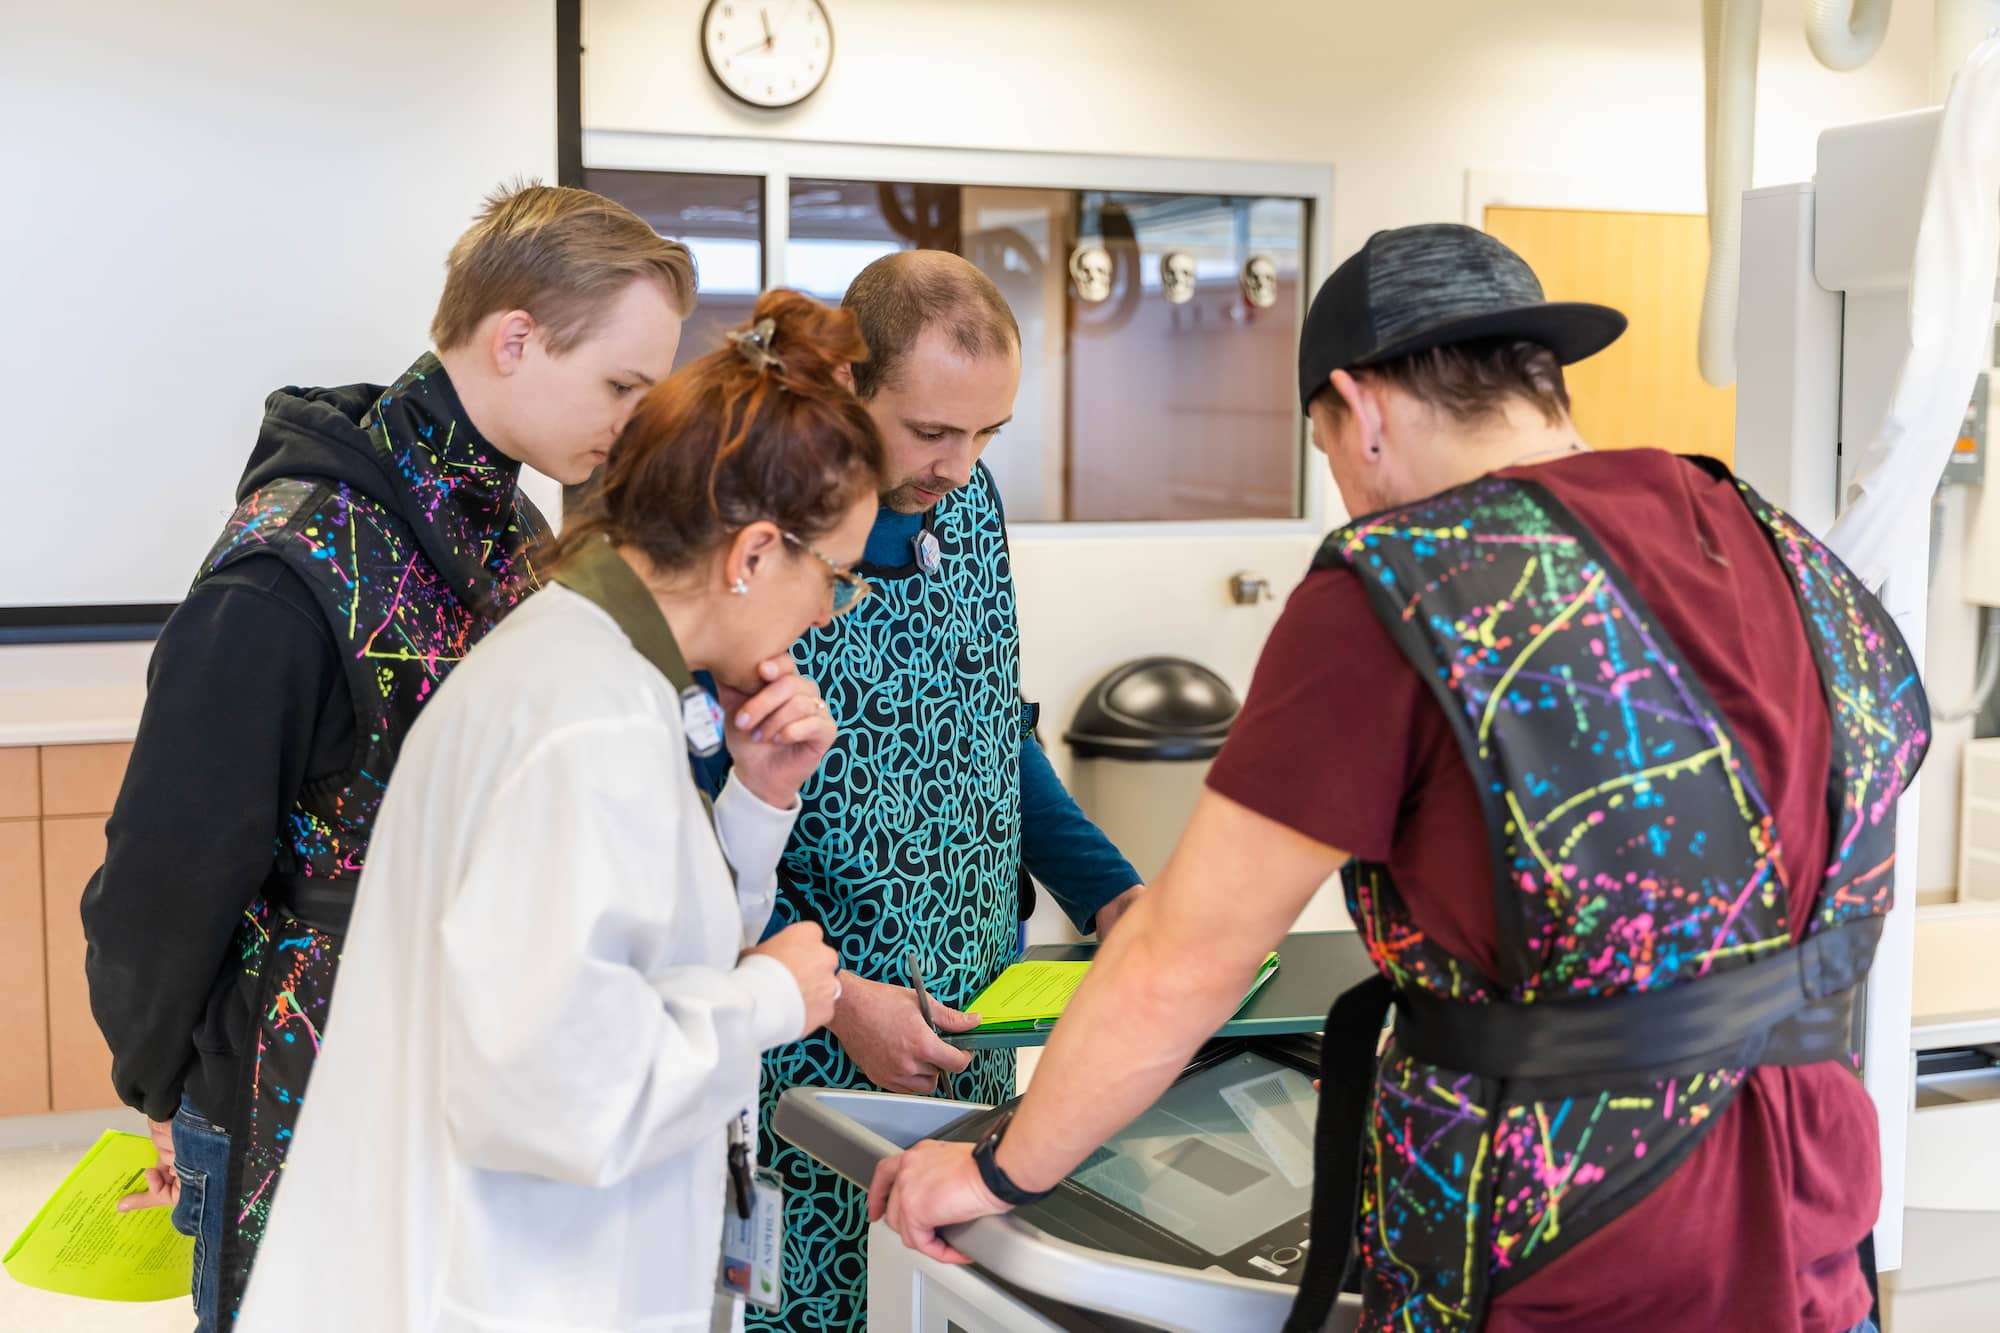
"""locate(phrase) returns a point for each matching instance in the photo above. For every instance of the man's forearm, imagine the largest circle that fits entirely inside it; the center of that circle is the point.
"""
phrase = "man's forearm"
(1162, 983)
(149, 981)
(1125, 1037)
(240, 678)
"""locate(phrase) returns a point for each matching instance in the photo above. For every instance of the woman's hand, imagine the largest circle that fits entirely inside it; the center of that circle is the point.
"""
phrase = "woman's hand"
(813, 964)
(778, 735)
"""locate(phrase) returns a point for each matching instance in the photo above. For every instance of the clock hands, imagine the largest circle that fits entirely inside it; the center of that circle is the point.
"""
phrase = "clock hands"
(770, 38)
(801, 64)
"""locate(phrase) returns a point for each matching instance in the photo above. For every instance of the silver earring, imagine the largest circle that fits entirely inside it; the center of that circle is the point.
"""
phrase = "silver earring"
(741, 588)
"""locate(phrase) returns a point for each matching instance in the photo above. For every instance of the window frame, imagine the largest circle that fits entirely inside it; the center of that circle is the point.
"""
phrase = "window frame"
(777, 161)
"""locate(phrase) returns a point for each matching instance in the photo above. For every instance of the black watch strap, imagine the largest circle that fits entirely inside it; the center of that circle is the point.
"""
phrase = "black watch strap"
(996, 1180)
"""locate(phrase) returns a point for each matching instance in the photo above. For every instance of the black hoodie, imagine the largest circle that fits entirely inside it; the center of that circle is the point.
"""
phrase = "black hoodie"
(246, 702)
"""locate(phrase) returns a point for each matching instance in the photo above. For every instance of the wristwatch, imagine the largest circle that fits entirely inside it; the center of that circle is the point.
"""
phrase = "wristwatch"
(996, 1180)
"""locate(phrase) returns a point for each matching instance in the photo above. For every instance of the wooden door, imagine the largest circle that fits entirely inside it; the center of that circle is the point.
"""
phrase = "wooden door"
(1645, 388)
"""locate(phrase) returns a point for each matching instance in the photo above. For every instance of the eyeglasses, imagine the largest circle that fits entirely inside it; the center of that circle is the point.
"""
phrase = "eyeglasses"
(849, 588)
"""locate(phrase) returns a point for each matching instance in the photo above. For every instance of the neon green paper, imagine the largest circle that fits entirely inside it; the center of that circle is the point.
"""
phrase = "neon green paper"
(81, 1245)
(1028, 993)
(1033, 994)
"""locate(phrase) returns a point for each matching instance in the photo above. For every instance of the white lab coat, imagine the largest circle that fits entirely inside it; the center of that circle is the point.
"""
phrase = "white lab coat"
(541, 1028)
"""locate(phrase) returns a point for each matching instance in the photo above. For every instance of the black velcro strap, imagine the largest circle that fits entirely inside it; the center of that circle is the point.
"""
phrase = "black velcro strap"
(1794, 1008)
(324, 904)
(1347, 1077)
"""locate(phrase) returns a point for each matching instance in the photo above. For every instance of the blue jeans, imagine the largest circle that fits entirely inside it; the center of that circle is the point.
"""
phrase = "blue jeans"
(1865, 1326)
(201, 1160)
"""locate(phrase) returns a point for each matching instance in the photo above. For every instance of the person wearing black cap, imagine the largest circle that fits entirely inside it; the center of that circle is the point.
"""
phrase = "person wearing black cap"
(1606, 749)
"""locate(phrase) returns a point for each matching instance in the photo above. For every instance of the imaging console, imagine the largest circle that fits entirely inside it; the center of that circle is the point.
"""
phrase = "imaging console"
(1194, 1218)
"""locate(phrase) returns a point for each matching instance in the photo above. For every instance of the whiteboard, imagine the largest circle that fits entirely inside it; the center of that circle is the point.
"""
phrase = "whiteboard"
(203, 202)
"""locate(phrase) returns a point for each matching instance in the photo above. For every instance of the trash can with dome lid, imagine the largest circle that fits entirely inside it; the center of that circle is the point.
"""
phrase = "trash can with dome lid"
(1142, 741)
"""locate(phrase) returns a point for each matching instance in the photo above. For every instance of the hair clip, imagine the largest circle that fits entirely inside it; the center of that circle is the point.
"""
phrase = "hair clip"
(755, 344)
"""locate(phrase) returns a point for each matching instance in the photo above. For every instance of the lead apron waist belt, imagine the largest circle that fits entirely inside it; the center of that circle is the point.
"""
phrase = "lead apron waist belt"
(1794, 1009)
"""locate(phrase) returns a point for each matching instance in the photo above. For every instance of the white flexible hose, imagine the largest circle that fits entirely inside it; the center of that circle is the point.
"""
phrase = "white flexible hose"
(1730, 30)
(1844, 34)
(1982, 689)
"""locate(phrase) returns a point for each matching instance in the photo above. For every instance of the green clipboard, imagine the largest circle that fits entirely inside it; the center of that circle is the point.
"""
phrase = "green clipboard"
(1314, 968)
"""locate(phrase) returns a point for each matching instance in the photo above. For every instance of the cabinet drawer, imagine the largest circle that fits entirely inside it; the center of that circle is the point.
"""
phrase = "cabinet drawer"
(24, 1003)
(82, 779)
(1952, 1165)
(20, 782)
(79, 1061)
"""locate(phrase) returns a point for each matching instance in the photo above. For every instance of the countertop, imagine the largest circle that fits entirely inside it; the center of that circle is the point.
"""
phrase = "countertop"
(72, 694)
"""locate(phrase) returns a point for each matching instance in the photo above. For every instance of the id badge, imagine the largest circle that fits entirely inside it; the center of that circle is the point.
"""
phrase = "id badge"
(701, 719)
(753, 1247)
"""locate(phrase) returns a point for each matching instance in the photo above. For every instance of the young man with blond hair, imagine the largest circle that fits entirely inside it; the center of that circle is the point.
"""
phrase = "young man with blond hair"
(379, 533)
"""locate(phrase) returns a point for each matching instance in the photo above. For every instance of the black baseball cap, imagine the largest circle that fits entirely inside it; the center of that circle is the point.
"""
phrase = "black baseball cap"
(1415, 288)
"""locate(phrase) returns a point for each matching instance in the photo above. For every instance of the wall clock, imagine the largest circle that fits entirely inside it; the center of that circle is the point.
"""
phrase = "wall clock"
(767, 53)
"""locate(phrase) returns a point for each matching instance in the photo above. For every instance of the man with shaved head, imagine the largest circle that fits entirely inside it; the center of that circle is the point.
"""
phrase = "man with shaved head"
(917, 829)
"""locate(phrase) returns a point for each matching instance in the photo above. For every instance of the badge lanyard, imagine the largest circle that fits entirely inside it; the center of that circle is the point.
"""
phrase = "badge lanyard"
(753, 1226)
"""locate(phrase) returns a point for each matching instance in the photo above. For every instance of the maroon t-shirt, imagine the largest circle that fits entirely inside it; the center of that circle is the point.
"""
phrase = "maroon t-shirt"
(1341, 740)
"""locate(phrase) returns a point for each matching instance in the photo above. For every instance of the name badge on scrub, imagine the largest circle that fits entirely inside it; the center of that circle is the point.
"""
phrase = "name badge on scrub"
(701, 719)
(928, 554)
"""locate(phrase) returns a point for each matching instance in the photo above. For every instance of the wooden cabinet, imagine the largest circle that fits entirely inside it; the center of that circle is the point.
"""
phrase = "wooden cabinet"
(24, 1013)
(82, 779)
(79, 1061)
(53, 803)
(20, 782)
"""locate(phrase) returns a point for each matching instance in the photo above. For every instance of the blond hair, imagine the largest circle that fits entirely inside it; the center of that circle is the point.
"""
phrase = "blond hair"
(563, 255)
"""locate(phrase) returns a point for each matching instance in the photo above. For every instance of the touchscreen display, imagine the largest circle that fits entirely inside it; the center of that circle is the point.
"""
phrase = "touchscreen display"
(1222, 1158)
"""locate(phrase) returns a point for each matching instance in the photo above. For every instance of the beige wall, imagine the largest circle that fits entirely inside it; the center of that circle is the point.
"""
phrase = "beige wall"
(1403, 100)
